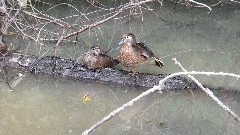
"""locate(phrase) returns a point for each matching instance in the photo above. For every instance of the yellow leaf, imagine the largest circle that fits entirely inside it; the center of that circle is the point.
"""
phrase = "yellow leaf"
(86, 98)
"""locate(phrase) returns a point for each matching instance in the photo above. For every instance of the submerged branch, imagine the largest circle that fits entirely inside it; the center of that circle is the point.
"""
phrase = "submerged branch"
(53, 65)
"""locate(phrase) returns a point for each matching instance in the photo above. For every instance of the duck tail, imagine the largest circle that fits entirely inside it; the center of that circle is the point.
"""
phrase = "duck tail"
(158, 62)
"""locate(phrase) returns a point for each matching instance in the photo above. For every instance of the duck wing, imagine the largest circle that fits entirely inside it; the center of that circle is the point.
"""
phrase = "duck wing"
(143, 50)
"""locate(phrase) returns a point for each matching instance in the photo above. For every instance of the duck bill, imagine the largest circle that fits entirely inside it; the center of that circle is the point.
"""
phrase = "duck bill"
(121, 42)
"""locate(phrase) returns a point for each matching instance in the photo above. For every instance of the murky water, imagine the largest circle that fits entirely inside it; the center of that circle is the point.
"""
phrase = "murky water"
(51, 105)
(41, 104)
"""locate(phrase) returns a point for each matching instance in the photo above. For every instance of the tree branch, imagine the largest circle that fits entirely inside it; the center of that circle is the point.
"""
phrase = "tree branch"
(209, 92)
(93, 25)
(201, 4)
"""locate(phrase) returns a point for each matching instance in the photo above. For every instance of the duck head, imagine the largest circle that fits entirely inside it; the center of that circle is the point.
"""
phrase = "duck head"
(128, 38)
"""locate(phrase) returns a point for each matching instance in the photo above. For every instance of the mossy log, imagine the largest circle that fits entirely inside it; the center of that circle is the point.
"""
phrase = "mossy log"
(72, 69)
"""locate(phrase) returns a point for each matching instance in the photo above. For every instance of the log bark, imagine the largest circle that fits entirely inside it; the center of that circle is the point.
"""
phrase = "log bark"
(72, 69)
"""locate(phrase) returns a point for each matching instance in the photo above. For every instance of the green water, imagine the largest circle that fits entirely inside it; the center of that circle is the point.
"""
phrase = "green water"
(199, 40)
(46, 105)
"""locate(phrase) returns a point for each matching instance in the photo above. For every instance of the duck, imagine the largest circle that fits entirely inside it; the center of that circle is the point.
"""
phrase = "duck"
(95, 59)
(133, 53)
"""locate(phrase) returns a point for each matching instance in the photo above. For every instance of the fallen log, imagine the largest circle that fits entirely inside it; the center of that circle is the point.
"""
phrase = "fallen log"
(72, 69)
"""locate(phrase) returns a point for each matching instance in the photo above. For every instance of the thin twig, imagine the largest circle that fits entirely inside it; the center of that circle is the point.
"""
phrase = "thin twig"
(235, 1)
(93, 25)
(209, 92)
(201, 4)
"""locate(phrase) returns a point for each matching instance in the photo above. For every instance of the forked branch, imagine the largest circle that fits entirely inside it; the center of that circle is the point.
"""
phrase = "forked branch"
(209, 92)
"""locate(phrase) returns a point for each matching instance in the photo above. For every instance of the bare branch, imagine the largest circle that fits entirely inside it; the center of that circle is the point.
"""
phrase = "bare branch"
(209, 92)
(235, 1)
(201, 4)
(93, 25)
(128, 104)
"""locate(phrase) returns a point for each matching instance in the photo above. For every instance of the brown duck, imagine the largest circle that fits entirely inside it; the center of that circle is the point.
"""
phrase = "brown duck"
(95, 59)
(3, 45)
(132, 54)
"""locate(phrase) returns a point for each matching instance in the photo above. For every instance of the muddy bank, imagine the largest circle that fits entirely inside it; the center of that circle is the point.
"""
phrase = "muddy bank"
(70, 68)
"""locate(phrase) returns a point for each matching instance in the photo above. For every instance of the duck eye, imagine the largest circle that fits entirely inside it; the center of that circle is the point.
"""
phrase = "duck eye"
(128, 37)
